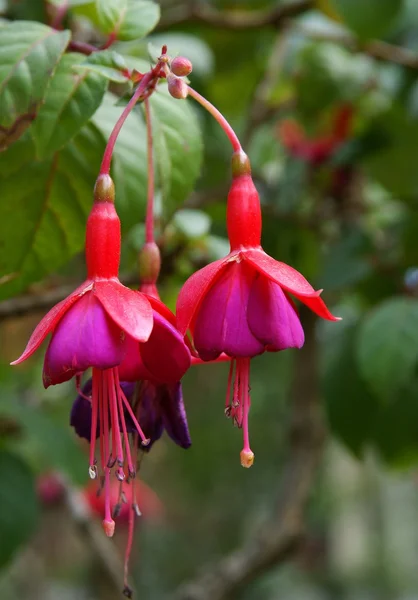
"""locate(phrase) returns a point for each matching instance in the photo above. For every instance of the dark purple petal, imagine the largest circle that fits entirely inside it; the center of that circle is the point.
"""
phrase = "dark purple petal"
(221, 323)
(148, 412)
(85, 337)
(81, 413)
(174, 414)
(271, 316)
(165, 355)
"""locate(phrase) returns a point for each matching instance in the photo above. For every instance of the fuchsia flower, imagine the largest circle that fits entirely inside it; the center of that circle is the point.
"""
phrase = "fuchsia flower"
(96, 326)
(240, 305)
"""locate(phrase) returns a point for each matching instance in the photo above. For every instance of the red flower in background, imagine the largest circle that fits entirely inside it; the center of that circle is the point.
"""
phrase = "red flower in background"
(317, 149)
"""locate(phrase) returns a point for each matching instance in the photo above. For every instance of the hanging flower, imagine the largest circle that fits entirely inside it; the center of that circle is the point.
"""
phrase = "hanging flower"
(92, 327)
(241, 304)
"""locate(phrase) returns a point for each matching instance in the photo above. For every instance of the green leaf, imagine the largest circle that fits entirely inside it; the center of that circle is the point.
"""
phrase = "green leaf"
(127, 19)
(396, 428)
(44, 206)
(110, 14)
(71, 99)
(108, 63)
(372, 18)
(387, 346)
(351, 409)
(141, 18)
(394, 164)
(192, 223)
(177, 154)
(29, 53)
(346, 262)
(19, 509)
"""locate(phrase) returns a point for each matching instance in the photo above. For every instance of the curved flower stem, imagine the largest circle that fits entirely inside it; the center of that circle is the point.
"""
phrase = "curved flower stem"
(149, 218)
(107, 157)
(236, 145)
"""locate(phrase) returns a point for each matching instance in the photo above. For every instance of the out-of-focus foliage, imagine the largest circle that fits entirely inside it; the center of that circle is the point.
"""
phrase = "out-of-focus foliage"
(333, 139)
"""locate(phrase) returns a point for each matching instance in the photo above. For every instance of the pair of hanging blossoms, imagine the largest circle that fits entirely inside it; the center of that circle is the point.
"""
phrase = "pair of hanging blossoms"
(137, 349)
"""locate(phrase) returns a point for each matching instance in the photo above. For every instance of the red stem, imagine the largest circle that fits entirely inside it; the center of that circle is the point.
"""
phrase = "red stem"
(107, 157)
(219, 117)
(149, 218)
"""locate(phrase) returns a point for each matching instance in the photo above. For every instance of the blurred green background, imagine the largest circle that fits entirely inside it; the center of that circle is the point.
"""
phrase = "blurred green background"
(324, 96)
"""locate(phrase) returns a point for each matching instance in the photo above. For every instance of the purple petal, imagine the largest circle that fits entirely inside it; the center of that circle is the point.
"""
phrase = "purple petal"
(85, 337)
(221, 323)
(272, 318)
(174, 414)
(165, 355)
(80, 417)
(148, 412)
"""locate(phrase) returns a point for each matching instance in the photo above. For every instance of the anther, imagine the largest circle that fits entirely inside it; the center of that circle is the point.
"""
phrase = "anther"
(93, 471)
(136, 510)
(228, 410)
(120, 475)
(116, 510)
(111, 462)
(145, 442)
(127, 591)
(132, 474)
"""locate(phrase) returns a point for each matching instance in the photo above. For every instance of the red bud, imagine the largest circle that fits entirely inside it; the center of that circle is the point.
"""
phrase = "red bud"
(181, 66)
(177, 87)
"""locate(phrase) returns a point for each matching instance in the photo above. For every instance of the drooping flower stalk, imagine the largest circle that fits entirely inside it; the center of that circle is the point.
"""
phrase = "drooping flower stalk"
(240, 305)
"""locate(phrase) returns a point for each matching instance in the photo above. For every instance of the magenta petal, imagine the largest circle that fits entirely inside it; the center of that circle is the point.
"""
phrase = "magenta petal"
(132, 368)
(165, 355)
(50, 320)
(272, 318)
(221, 323)
(85, 337)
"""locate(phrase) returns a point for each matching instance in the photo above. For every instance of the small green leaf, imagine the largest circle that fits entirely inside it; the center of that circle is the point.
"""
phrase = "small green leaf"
(71, 99)
(108, 63)
(387, 346)
(19, 509)
(372, 18)
(127, 19)
(351, 409)
(29, 53)
(44, 225)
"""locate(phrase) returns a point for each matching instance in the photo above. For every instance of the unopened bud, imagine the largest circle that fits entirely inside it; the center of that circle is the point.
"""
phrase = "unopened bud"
(104, 190)
(181, 66)
(177, 87)
(149, 263)
(247, 458)
(240, 164)
(109, 527)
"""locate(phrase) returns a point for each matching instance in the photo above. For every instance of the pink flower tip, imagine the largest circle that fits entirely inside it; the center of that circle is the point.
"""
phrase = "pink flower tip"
(108, 527)
(247, 458)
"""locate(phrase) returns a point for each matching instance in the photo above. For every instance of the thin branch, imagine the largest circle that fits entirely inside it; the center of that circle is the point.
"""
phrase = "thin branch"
(234, 20)
(280, 537)
(375, 48)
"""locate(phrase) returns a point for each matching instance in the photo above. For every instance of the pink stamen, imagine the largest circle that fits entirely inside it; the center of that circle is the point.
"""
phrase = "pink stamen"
(131, 468)
(228, 390)
(145, 441)
(247, 455)
(113, 400)
(131, 528)
(93, 434)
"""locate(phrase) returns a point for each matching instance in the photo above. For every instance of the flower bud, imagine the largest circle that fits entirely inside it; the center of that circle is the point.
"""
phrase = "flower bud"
(181, 66)
(177, 87)
(149, 263)
(104, 189)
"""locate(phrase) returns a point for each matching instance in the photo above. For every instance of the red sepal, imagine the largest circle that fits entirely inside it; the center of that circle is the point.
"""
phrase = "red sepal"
(51, 319)
(194, 290)
(290, 280)
(129, 309)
